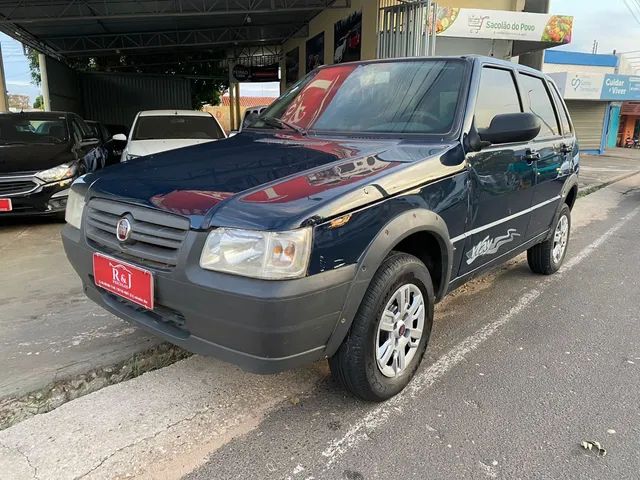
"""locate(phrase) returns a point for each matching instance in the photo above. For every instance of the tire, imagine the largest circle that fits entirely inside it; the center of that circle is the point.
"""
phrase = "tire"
(356, 364)
(541, 257)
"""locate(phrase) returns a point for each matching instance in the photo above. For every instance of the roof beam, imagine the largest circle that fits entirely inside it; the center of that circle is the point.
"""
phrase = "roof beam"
(27, 12)
(123, 42)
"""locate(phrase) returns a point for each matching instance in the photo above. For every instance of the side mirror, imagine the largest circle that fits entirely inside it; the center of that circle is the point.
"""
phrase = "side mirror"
(89, 142)
(119, 137)
(511, 128)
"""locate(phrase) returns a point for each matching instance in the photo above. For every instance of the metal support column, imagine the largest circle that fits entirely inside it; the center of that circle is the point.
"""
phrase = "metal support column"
(44, 82)
(4, 101)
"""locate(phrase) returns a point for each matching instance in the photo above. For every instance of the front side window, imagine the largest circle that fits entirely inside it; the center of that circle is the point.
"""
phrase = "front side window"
(386, 97)
(537, 101)
(497, 95)
(32, 129)
(176, 127)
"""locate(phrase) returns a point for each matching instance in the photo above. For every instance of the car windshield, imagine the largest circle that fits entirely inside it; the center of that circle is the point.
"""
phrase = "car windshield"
(388, 97)
(163, 127)
(22, 129)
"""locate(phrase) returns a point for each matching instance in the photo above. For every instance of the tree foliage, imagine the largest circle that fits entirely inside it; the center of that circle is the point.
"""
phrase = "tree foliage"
(39, 102)
(34, 65)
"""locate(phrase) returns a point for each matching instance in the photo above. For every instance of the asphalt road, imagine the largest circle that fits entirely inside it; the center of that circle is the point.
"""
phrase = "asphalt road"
(516, 376)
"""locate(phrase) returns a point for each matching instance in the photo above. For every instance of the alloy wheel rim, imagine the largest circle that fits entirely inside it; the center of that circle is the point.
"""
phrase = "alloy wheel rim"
(560, 238)
(400, 330)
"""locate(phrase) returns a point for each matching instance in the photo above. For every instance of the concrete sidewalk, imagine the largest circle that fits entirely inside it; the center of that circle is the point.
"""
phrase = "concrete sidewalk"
(602, 169)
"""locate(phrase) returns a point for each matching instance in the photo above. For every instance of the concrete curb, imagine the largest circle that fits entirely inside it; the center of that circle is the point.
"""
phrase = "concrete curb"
(594, 188)
(16, 409)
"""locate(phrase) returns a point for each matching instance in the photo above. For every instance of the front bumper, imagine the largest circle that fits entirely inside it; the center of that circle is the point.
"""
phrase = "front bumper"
(262, 326)
(47, 199)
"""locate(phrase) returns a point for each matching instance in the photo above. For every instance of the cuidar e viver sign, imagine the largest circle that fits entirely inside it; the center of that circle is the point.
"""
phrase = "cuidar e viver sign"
(503, 25)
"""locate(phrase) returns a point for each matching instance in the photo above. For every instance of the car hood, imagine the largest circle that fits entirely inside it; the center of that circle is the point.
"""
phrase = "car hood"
(32, 158)
(149, 147)
(272, 182)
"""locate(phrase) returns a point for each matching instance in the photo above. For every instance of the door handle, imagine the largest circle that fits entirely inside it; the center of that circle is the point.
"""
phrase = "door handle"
(566, 149)
(531, 155)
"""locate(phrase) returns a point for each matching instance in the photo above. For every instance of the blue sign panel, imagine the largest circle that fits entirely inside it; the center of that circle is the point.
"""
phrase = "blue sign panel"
(620, 87)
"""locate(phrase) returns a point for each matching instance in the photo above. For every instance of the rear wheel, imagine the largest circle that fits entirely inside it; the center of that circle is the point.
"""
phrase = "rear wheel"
(390, 332)
(547, 257)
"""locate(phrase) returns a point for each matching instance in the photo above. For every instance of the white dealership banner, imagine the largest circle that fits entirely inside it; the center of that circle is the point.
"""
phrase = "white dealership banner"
(503, 25)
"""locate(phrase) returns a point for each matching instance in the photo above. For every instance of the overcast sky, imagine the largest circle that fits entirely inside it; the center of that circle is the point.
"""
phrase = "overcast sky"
(609, 22)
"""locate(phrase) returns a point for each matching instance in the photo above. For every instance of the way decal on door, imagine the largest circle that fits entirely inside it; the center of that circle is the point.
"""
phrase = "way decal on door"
(489, 246)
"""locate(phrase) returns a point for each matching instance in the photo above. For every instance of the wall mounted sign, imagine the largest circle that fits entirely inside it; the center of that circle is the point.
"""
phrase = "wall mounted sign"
(347, 38)
(503, 25)
(292, 66)
(246, 73)
(597, 86)
(315, 52)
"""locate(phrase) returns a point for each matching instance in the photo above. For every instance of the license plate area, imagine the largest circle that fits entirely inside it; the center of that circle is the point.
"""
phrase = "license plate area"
(5, 205)
(124, 280)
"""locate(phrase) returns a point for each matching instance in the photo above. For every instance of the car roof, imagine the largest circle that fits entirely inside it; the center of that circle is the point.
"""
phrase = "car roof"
(168, 113)
(37, 113)
(469, 58)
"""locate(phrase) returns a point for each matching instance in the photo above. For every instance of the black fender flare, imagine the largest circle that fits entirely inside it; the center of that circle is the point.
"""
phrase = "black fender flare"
(569, 184)
(400, 227)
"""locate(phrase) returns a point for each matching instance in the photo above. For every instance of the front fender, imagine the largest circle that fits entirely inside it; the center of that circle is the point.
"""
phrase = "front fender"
(396, 230)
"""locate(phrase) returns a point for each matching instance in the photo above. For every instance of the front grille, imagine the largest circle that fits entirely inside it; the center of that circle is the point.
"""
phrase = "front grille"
(16, 187)
(155, 239)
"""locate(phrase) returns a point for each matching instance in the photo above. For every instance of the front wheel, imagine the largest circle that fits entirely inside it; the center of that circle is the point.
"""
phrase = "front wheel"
(547, 257)
(390, 331)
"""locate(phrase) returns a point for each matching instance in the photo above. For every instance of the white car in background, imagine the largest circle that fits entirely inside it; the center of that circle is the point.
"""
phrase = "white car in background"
(156, 131)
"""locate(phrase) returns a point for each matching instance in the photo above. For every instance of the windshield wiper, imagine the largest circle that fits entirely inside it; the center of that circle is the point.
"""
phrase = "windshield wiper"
(279, 123)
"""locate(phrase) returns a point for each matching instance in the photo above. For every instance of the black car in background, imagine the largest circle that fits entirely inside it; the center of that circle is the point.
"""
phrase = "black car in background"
(112, 148)
(41, 153)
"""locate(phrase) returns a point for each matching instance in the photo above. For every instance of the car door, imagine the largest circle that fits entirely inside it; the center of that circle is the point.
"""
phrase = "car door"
(86, 145)
(501, 179)
(549, 148)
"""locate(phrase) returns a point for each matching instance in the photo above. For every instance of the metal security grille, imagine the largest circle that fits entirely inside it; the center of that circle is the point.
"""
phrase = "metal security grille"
(403, 28)
(588, 120)
(155, 239)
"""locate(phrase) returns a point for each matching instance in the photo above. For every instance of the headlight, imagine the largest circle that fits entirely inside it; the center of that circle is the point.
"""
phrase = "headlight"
(130, 156)
(75, 207)
(267, 255)
(58, 173)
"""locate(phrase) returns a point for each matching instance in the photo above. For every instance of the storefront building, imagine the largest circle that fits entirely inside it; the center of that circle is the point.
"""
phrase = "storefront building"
(588, 84)
(370, 29)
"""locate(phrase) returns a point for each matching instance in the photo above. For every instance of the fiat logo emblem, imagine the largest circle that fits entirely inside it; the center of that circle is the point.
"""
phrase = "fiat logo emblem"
(123, 229)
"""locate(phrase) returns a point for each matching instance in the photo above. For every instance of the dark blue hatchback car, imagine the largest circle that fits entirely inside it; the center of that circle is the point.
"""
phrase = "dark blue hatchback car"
(331, 226)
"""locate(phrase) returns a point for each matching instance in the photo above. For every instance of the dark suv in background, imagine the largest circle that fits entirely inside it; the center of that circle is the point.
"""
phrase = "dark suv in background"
(335, 221)
(41, 153)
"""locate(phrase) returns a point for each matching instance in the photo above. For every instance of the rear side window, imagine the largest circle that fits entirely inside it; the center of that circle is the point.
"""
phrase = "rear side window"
(562, 110)
(537, 101)
(497, 95)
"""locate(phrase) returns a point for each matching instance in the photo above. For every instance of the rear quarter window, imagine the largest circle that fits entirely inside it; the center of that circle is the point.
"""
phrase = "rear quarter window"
(562, 110)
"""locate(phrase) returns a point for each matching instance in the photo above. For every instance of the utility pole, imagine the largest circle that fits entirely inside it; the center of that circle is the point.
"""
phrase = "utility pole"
(4, 102)
(595, 47)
